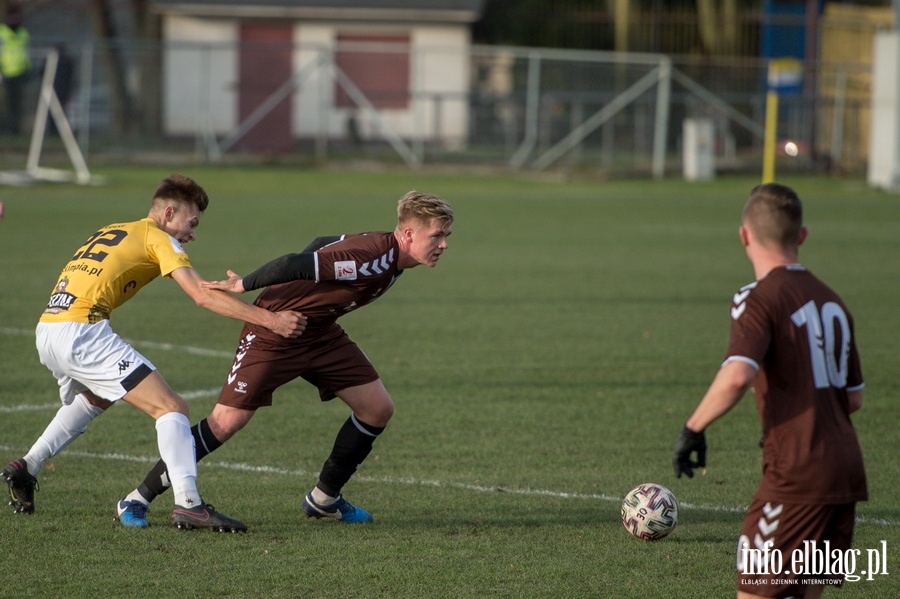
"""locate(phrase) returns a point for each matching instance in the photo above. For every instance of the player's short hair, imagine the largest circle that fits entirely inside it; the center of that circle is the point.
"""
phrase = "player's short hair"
(424, 208)
(774, 213)
(181, 189)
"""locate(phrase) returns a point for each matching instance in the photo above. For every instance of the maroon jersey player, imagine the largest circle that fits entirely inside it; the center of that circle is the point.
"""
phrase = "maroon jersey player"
(792, 341)
(326, 280)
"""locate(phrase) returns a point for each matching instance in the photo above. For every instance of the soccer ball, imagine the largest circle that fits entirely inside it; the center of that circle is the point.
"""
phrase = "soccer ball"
(650, 511)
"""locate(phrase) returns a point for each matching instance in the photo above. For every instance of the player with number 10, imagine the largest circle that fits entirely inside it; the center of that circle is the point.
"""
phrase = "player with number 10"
(792, 341)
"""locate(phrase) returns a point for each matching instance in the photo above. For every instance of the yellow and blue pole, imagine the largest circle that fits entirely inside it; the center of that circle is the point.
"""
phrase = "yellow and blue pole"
(784, 74)
(771, 135)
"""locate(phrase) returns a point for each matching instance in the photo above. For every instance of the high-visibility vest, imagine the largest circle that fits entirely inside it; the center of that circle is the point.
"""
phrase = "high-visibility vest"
(14, 59)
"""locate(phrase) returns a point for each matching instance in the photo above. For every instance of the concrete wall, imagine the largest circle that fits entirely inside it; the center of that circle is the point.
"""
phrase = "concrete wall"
(201, 70)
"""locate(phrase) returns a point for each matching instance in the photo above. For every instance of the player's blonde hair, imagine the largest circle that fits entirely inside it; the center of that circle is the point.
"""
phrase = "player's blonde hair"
(424, 208)
(774, 213)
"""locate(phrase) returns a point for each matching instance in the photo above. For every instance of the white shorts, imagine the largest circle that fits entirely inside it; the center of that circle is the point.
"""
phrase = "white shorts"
(90, 357)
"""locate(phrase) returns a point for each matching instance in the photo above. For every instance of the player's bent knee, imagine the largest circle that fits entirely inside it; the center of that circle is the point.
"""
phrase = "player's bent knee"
(156, 405)
(225, 421)
(375, 415)
(154, 397)
(225, 429)
(380, 406)
(378, 415)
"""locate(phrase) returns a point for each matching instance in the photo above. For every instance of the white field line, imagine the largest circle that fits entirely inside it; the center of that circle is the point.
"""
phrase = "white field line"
(239, 467)
(397, 481)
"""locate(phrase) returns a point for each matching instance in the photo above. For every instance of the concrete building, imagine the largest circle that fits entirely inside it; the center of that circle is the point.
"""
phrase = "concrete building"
(268, 73)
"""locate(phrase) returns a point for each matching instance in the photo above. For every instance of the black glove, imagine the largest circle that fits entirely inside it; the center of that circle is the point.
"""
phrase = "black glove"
(688, 442)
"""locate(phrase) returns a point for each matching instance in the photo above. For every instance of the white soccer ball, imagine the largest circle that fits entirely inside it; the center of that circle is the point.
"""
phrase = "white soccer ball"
(650, 511)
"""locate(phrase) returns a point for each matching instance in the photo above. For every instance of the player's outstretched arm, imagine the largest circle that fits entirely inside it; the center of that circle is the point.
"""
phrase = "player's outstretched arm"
(234, 283)
(287, 324)
(726, 390)
(290, 267)
(319, 242)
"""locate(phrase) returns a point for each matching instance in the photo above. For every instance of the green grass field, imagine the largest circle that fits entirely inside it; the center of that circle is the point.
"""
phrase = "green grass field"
(544, 368)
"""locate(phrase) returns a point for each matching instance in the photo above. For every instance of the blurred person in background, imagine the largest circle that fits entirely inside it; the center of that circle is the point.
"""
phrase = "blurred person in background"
(15, 66)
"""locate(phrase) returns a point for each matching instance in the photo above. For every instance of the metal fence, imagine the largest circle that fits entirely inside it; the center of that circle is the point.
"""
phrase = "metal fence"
(531, 109)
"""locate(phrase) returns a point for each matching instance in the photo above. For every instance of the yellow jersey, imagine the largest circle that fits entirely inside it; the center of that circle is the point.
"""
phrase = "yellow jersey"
(110, 268)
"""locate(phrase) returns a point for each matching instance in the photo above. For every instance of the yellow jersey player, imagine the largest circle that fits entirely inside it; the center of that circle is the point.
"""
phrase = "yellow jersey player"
(95, 367)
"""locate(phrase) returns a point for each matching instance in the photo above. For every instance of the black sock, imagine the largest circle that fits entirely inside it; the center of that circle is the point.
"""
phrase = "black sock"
(352, 445)
(205, 441)
(157, 480)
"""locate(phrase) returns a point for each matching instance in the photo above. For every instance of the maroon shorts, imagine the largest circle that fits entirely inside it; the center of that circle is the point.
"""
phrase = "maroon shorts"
(786, 546)
(330, 361)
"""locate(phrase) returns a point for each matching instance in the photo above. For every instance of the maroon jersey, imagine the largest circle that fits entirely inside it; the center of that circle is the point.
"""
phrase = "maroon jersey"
(350, 273)
(799, 335)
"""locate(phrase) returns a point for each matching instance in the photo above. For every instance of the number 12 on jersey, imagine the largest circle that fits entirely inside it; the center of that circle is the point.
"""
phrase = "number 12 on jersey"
(109, 238)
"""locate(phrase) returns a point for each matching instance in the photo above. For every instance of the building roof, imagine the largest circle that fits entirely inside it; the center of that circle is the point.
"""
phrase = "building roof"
(445, 11)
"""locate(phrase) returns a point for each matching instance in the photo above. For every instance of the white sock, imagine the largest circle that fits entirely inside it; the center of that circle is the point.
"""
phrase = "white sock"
(321, 498)
(176, 447)
(70, 421)
(136, 496)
